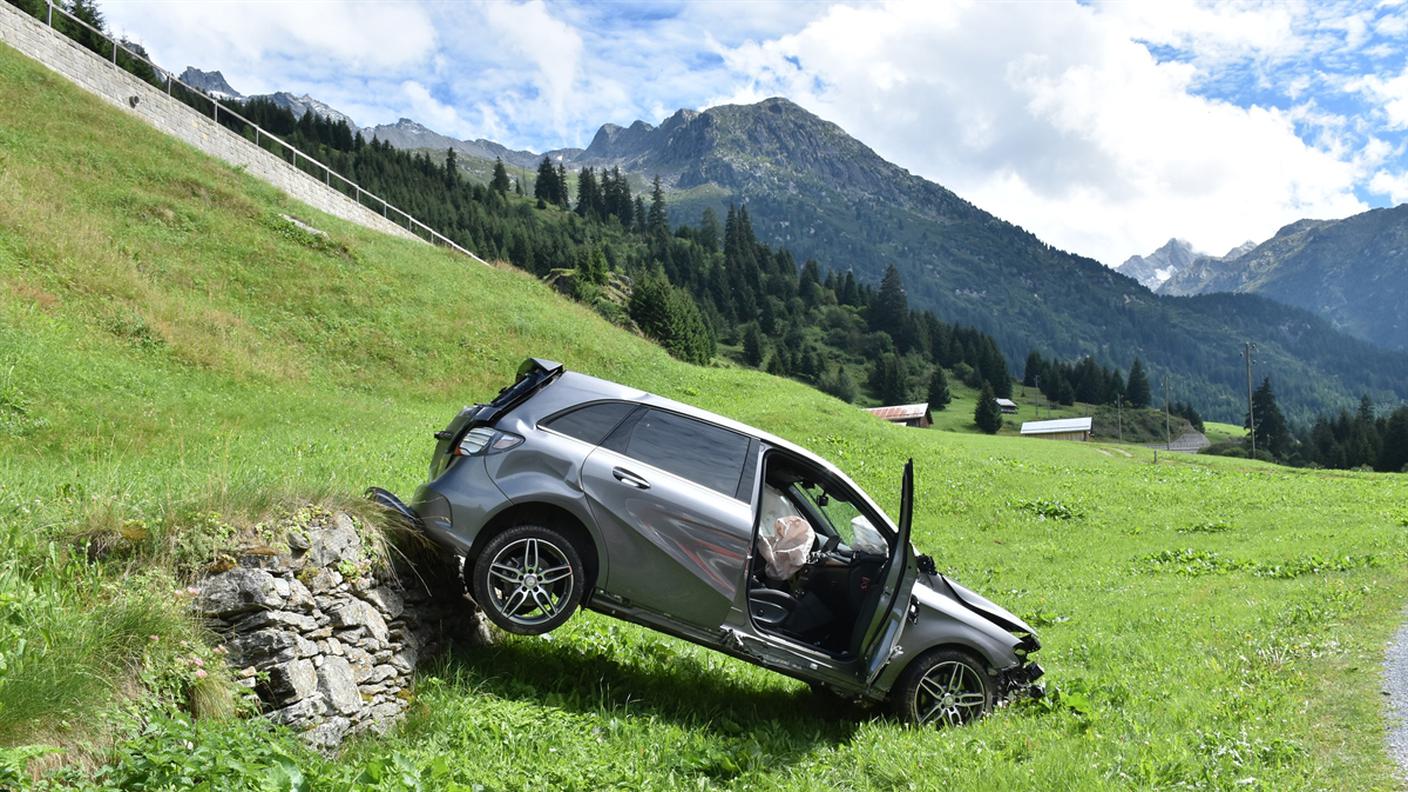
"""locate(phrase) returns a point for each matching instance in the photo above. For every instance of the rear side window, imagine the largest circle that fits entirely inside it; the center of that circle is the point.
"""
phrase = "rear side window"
(703, 453)
(591, 423)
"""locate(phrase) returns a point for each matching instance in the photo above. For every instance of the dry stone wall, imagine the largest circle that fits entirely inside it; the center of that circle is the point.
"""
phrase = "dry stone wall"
(327, 642)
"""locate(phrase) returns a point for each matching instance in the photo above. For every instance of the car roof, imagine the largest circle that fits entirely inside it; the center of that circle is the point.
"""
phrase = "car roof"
(592, 388)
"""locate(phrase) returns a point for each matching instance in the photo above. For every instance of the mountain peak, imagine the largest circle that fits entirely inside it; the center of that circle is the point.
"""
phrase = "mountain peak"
(211, 82)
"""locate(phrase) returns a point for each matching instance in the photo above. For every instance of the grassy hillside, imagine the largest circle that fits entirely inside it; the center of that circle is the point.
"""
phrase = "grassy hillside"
(176, 358)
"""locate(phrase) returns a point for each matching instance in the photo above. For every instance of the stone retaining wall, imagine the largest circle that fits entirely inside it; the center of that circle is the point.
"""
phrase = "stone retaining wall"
(101, 77)
(328, 643)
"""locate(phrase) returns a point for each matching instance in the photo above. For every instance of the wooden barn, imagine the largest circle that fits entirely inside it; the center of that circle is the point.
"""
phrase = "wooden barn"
(1058, 429)
(916, 415)
(1007, 406)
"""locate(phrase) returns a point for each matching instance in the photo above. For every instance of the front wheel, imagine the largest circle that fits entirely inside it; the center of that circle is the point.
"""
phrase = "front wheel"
(943, 688)
(528, 580)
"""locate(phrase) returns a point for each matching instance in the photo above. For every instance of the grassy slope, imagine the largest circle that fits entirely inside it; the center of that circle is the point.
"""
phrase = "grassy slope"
(167, 342)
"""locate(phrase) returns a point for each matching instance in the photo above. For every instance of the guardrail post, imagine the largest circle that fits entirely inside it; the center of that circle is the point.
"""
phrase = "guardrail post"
(50, 3)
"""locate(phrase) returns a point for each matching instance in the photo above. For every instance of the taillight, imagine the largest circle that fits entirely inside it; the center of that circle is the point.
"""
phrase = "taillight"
(484, 440)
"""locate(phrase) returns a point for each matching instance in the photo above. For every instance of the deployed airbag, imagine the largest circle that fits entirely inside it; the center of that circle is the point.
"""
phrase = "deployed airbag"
(785, 548)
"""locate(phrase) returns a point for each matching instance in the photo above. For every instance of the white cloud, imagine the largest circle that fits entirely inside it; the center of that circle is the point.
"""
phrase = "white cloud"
(1057, 120)
(1393, 185)
(264, 47)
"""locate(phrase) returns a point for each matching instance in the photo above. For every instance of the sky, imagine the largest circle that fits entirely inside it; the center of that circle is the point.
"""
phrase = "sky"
(1104, 128)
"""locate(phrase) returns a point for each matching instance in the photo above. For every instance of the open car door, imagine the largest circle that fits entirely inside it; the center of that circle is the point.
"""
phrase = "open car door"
(900, 573)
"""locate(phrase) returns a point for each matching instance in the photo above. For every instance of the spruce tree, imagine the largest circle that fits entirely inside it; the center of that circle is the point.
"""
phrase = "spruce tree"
(563, 199)
(499, 183)
(987, 415)
(939, 397)
(545, 186)
(1393, 451)
(1032, 370)
(1136, 389)
(659, 218)
(753, 345)
(1272, 434)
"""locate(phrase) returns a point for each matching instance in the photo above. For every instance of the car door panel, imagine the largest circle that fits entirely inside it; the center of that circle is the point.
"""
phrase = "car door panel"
(677, 548)
(883, 635)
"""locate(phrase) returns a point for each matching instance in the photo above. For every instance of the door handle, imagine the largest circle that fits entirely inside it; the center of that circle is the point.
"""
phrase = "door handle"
(630, 479)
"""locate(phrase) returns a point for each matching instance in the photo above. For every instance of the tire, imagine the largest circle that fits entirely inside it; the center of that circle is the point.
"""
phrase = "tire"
(945, 687)
(528, 580)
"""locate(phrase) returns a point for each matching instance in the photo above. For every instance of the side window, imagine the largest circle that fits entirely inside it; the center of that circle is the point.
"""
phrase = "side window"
(703, 453)
(591, 423)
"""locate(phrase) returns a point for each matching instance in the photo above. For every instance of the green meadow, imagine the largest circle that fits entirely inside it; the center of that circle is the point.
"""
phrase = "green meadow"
(178, 361)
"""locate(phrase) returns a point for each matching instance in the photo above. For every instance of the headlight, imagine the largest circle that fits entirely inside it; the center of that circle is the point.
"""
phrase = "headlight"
(485, 440)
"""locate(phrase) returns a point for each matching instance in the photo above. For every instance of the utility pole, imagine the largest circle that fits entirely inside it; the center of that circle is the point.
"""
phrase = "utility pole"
(1168, 427)
(1247, 351)
(1119, 415)
(1039, 397)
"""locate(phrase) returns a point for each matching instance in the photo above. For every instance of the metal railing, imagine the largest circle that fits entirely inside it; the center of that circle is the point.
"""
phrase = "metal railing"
(358, 193)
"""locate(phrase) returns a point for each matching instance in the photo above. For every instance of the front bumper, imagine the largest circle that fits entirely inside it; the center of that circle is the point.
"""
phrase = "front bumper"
(1021, 682)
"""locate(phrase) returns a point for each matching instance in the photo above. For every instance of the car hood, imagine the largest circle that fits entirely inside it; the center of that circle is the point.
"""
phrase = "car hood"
(977, 603)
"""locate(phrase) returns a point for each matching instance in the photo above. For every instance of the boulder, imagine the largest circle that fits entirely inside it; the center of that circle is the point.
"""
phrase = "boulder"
(336, 683)
(331, 545)
(386, 600)
(293, 680)
(357, 613)
(238, 591)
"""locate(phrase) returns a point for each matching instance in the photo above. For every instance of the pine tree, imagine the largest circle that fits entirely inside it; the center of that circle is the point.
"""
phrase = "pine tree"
(659, 218)
(590, 203)
(1272, 435)
(545, 187)
(1032, 370)
(891, 306)
(939, 397)
(1393, 451)
(452, 170)
(753, 345)
(709, 231)
(840, 385)
(499, 183)
(1136, 389)
(987, 415)
(563, 199)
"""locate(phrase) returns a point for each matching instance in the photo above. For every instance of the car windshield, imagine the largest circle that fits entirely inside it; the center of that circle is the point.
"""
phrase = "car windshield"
(844, 518)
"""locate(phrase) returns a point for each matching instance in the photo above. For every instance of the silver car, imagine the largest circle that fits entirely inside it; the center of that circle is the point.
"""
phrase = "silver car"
(567, 490)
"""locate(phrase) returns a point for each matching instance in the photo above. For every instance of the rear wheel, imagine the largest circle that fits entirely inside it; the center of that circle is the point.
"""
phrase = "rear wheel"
(528, 579)
(943, 688)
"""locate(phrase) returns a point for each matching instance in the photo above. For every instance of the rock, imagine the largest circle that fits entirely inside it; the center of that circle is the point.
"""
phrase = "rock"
(361, 663)
(281, 619)
(327, 735)
(357, 613)
(299, 597)
(264, 647)
(329, 546)
(297, 542)
(237, 591)
(335, 682)
(386, 600)
(404, 660)
(324, 580)
(293, 680)
(299, 713)
(380, 673)
(281, 587)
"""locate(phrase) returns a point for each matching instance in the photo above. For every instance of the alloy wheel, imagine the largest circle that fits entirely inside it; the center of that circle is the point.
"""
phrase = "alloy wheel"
(530, 581)
(951, 693)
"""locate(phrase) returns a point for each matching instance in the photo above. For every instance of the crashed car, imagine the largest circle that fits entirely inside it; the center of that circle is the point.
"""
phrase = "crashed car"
(569, 491)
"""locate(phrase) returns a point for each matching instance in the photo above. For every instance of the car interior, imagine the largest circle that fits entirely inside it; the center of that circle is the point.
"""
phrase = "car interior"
(817, 568)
